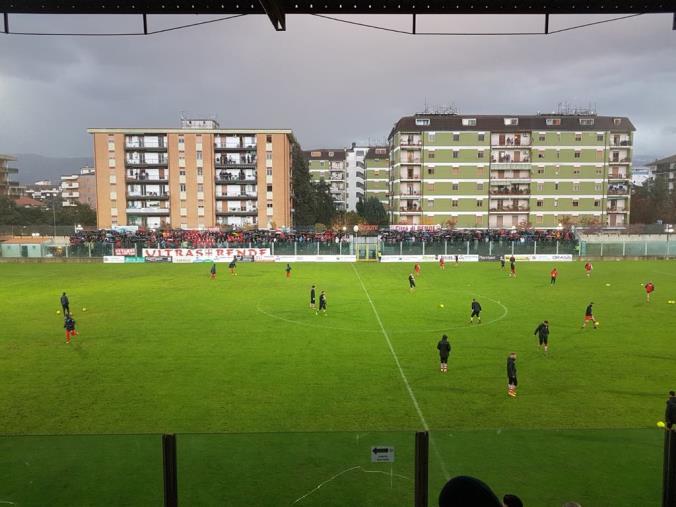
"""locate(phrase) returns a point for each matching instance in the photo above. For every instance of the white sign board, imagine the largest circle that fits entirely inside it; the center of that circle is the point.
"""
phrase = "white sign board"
(382, 454)
(429, 258)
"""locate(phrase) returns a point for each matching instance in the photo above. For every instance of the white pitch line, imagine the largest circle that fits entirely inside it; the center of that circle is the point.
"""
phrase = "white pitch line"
(426, 427)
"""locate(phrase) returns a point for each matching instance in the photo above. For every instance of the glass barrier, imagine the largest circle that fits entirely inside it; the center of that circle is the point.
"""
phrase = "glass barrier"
(303, 469)
(81, 470)
(618, 467)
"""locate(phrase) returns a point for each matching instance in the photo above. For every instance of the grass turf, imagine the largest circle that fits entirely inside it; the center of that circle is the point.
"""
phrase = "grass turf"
(165, 349)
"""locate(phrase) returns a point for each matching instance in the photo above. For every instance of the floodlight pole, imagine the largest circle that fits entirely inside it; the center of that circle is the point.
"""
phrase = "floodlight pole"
(5, 17)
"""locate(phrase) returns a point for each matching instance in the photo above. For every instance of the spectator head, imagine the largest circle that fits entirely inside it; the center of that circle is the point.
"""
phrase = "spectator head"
(464, 491)
(511, 501)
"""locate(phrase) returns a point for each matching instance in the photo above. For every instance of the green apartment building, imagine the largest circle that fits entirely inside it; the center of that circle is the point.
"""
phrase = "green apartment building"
(377, 174)
(329, 165)
(504, 171)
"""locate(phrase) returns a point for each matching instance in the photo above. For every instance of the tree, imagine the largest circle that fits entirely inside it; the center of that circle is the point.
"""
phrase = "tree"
(373, 212)
(312, 202)
(9, 213)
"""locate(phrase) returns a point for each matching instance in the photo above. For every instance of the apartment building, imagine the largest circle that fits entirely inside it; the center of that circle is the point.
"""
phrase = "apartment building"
(8, 187)
(329, 165)
(664, 168)
(354, 171)
(79, 188)
(377, 174)
(510, 171)
(194, 177)
(43, 190)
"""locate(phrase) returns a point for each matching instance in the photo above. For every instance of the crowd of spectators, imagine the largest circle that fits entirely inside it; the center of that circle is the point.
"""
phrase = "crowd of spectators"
(178, 238)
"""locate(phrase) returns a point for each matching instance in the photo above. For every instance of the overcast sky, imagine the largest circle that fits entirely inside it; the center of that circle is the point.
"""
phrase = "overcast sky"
(330, 82)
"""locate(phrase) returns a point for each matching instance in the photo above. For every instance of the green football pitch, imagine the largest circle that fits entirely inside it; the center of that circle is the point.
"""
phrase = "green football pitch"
(275, 405)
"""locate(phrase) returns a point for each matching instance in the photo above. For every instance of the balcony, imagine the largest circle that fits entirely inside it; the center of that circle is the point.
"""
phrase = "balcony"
(523, 165)
(406, 194)
(248, 177)
(337, 176)
(507, 140)
(238, 212)
(150, 197)
(140, 145)
(236, 163)
(625, 160)
(147, 211)
(508, 191)
(237, 197)
(618, 191)
(146, 179)
(410, 176)
(616, 209)
(617, 176)
(410, 141)
(621, 141)
(510, 176)
(70, 195)
(510, 209)
(235, 143)
(163, 161)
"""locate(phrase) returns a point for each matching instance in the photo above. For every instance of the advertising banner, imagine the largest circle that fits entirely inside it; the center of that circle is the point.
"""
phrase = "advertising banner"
(113, 259)
(542, 257)
(315, 258)
(429, 258)
(157, 259)
(134, 260)
(125, 251)
(206, 254)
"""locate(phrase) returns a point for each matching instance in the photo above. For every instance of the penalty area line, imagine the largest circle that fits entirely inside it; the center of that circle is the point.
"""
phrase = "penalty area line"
(423, 421)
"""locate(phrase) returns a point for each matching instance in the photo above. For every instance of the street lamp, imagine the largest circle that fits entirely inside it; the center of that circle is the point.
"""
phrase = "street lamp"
(669, 229)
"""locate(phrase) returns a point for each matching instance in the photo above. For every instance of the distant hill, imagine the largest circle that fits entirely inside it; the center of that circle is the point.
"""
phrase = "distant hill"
(34, 167)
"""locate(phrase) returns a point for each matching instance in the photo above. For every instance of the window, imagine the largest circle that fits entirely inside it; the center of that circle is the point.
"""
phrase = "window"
(422, 121)
(469, 122)
(431, 137)
(200, 187)
(556, 185)
(198, 155)
(576, 204)
(430, 187)
(599, 137)
(578, 138)
(576, 187)
(539, 219)
(181, 187)
(181, 172)
(541, 154)
(480, 172)
(597, 203)
(578, 154)
(586, 121)
(330, 154)
(112, 179)
(541, 137)
(479, 203)
(599, 171)
(268, 155)
(617, 121)
(456, 137)
(556, 203)
(269, 205)
(430, 154)
(268, 171)
(200, 171)
(540, 203)
(597, 187)
(541, 187)
(455, 171)
(599, 155)
(541, 170)
(481, 137)
(553, 121)
(479, 186)
(576, 171)
(454, 203)
(456, 153)
(430, 170)
(269, 188)
(455, 187)
(511, 121)
(268, 138)
(316, 154)
(480, 154)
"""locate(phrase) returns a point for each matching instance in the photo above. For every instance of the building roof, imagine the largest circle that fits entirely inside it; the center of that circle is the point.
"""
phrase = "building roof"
(174, 130)
(323, 154)
(7, 157)
(496, 123)
(27, 202)
(667, 160)
(372, 152)
(26, 240)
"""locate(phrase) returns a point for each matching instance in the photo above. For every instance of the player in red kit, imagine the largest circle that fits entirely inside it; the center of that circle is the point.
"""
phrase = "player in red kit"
(442, 262)
(588, 268)
(416, 268)
(649, 287)
(553, 274)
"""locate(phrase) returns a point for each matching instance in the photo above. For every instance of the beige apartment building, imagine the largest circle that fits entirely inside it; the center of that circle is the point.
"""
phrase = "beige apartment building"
(194, 177)
(79, 188)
